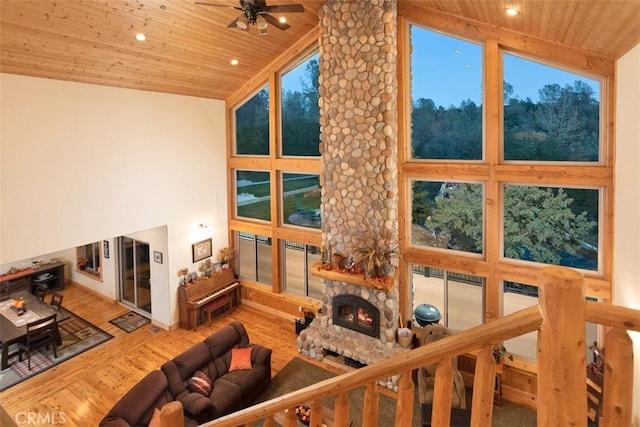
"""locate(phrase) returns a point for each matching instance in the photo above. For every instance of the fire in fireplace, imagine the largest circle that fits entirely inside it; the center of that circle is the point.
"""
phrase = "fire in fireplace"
(357, 314)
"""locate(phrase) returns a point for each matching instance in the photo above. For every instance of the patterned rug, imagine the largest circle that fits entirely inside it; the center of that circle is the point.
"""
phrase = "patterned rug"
(77, 335)
(130, 321)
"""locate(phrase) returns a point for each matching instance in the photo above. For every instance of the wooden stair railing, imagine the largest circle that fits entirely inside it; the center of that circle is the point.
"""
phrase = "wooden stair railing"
(562, 392)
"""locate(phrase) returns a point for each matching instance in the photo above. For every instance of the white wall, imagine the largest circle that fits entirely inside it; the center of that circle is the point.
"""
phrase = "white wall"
(82, 163)
(627, 206)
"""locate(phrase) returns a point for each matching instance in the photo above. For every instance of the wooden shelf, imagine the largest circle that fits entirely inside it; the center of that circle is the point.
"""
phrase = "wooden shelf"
(354, 279)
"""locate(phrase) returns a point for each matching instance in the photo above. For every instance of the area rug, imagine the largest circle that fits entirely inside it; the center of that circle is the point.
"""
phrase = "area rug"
(77, 335)
(299, 373)
(130, 321)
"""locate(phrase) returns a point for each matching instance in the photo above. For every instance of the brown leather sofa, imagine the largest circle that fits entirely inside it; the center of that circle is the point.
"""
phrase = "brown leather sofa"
(230, 391)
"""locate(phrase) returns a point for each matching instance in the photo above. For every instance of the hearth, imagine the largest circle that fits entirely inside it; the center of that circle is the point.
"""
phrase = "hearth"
(356, 313)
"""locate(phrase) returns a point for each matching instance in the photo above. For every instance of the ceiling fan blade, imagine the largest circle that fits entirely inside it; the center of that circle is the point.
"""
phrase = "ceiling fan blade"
(274, 21)
(234, 23)
(201, 3)
(285, 8)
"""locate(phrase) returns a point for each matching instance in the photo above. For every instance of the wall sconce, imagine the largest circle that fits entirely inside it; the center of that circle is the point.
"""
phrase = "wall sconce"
(203, 228)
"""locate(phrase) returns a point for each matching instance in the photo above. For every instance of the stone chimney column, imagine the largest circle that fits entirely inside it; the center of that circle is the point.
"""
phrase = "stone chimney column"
(358, 119)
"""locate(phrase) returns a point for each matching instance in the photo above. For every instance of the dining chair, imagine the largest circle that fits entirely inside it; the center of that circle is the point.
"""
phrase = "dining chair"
(56, 300)
(41, 291)
(40, 333)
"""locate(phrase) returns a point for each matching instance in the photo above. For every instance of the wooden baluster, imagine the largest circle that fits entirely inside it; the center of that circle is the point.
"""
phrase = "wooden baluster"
(404, 405)
(562, 390)
(290, 420)
(316, 414)
(269, 421)
(371, 405)
(617, 390)
(484, 383)
(342, 410)
(442, 390)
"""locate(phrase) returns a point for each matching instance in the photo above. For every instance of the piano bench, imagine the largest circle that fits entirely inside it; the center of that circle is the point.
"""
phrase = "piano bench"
(209, 309)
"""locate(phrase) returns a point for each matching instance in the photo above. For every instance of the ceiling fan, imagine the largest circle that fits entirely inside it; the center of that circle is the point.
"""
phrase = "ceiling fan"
(256, 12)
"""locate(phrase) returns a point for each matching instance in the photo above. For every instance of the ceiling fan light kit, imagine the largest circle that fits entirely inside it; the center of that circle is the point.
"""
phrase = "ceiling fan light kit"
(256, 12)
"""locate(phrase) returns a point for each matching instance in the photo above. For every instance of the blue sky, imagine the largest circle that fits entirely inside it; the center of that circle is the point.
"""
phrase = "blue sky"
(448, 71)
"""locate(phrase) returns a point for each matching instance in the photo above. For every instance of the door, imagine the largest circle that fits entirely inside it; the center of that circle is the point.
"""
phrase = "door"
(135, 277)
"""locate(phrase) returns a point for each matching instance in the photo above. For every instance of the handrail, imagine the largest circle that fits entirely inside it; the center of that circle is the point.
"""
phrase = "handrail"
(507, 327)
(561, 366)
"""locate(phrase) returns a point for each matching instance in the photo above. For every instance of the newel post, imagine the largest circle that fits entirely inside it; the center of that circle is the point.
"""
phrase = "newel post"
(562, 391)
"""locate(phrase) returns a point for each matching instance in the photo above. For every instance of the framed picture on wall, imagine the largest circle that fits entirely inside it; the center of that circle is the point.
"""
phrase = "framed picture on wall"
(201, 250)
(105, 248)
(157, 257)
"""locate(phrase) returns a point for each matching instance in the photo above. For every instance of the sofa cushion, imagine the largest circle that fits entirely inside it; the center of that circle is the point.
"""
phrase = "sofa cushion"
(240, 359)
(199, 383)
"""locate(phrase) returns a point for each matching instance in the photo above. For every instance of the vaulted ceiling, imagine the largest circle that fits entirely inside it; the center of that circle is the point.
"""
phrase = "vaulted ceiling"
(189, 47)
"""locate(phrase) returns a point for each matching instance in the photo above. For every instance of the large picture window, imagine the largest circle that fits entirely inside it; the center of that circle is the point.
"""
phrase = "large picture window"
(253, 195)
(252, 125)
(446, 97)
(556, 226)
(300, 109)
(447, 215)
(458, 297)
(301, 199)
(549, 114)
(254, 257)
(298, 259)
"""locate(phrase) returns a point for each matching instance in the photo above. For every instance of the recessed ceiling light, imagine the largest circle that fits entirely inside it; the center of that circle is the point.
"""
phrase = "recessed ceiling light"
(234, 62)
(141, 37)
(511, 11)
(282, 19)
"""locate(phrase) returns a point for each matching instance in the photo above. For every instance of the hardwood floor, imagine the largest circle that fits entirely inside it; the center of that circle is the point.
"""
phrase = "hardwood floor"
(82, 390)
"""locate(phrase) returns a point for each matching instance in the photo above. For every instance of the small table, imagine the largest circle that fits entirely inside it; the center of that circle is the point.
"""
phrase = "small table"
(10, 333)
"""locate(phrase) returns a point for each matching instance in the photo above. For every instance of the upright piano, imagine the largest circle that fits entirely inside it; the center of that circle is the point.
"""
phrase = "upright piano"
(192, 297)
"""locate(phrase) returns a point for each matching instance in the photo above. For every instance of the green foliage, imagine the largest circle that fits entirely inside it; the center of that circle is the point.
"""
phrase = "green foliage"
(539, 223)
(252, 125)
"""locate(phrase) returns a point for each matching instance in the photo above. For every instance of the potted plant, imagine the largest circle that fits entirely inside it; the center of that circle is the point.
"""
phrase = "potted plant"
(377, 254)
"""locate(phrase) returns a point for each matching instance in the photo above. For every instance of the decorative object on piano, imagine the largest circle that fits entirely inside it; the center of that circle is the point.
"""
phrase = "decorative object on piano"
(225, 256)
(201, 250)
(19, 305)
(182, 274)
(206, 268)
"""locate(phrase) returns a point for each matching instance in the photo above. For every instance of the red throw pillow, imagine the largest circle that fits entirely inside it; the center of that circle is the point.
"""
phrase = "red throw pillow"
(240, 358)
(199, 383)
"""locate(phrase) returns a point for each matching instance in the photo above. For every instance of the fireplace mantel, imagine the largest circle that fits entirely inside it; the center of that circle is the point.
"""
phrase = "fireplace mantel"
(355, 279)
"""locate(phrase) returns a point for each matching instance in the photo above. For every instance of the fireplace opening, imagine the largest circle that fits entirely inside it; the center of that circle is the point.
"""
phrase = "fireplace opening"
(357, 314)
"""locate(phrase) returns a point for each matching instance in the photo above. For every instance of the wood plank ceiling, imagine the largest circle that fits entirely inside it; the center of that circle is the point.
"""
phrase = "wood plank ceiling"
(189, 47)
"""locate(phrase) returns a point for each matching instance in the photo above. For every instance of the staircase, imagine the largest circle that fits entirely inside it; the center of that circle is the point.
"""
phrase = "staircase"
(559, 319)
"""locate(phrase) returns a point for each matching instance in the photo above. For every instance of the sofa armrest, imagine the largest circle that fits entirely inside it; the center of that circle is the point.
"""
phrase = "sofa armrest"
(261, 355)
(197, 405)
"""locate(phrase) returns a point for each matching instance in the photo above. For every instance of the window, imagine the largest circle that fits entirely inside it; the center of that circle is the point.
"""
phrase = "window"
(298, 259)
(300, 109)
(551, 225)
(518, 296)
(446, 97)
(89, 259)
(253, 195)
(301, 199)
(458, 297)
(254, 257)
(447, 215)
(252, 125)
(549, 114)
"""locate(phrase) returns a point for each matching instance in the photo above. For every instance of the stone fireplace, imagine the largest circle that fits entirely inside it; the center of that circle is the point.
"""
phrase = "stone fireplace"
(359, 177)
